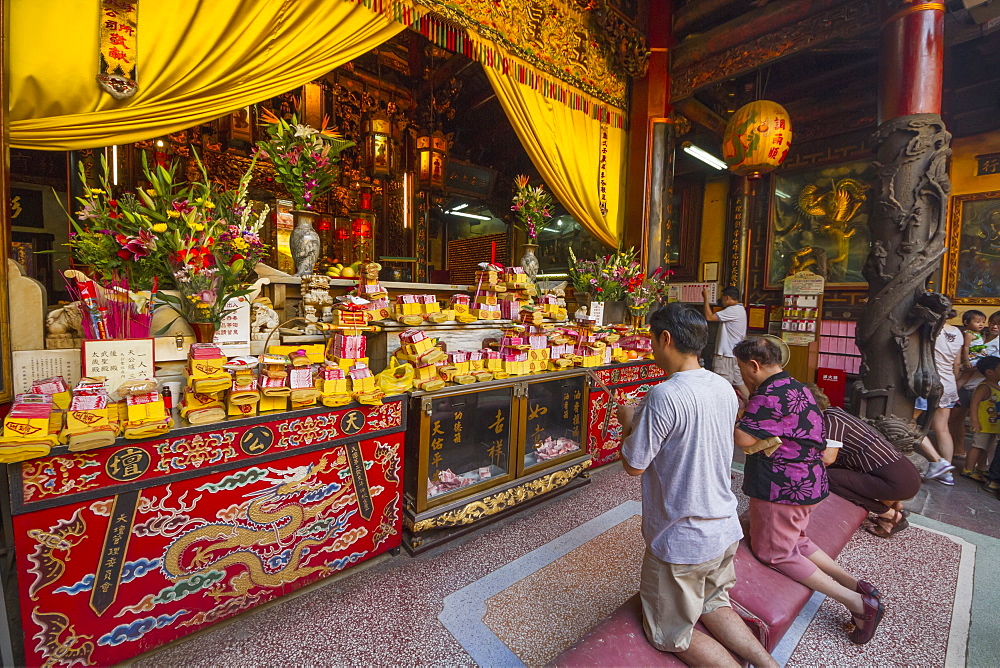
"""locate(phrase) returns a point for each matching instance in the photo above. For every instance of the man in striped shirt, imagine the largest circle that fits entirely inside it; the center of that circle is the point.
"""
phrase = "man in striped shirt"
(865, 468)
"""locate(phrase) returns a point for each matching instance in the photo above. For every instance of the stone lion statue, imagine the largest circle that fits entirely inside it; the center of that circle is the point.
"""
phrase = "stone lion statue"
(64, 326)
(263, 319)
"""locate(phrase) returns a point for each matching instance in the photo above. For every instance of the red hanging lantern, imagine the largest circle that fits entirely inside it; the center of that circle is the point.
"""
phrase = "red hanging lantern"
(361, 228)
(757, 138)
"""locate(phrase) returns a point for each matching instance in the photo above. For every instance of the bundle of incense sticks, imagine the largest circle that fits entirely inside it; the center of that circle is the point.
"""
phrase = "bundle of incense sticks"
(109, 311)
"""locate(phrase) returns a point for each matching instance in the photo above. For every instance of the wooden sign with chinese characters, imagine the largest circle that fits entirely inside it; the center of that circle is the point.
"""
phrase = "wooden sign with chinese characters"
(987, 164)
(118, 360)
(555, 413)
(602, 172)
(469, 433)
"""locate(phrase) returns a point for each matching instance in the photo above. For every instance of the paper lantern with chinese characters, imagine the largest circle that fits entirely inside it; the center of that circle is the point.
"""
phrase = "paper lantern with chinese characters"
(757, 138)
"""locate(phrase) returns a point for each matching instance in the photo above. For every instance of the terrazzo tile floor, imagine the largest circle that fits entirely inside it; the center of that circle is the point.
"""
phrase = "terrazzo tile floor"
(544, 577)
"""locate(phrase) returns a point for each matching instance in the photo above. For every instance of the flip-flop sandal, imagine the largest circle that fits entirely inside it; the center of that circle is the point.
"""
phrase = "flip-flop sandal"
(896, 525)
(877, 529)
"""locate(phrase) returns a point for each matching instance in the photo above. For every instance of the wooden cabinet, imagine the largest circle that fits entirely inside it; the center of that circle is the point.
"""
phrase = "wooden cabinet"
(483, 451)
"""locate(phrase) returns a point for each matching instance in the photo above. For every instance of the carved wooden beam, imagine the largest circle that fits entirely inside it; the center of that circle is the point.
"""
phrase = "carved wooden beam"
(857, 69)
(698, 11)
(701, 115)
(847, 20)
(747, 27)
(448, 69)
(812, 110)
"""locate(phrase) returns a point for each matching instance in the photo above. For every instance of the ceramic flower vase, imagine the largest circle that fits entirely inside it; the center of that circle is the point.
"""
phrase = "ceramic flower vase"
(614, 312)
(204, 332)
(529, 262)
(304, 242)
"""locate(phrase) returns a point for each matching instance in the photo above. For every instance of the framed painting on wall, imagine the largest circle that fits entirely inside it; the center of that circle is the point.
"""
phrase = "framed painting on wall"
(972, 271)
(819, 221)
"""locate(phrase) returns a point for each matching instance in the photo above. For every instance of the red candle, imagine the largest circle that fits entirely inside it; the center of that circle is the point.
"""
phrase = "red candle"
(493, 252)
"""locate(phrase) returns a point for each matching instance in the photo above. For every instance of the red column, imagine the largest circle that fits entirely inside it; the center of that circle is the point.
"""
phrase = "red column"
(912, 56)
(650, 96)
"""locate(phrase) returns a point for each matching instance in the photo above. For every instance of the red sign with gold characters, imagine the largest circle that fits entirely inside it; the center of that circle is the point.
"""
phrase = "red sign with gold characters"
(128, 547)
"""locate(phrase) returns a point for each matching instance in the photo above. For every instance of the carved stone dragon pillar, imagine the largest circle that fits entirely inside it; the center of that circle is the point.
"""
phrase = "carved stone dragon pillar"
(901, 320)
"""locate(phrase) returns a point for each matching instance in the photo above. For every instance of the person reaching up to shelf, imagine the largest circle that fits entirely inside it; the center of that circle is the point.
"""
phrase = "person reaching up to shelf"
(732, 329)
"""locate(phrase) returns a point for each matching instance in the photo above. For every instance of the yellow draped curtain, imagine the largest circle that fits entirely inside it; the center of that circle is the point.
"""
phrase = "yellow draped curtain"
(198, 60)
(565, 146)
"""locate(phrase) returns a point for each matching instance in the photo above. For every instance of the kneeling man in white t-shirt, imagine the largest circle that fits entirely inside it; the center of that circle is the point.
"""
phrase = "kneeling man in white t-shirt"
(680, 440)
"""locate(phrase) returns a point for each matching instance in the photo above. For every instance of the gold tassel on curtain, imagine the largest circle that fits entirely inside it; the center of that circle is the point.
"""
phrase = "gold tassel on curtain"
(201, 60)
(565, 146)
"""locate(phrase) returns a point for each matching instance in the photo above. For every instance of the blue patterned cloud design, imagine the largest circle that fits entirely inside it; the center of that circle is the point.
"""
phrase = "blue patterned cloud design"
(137, 629)
(136, 569)
(86, 584)
(130, 571)
(343, 562)
(321, 493)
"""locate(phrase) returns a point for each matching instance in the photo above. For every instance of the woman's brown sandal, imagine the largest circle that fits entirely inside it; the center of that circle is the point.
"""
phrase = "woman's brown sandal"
(899, 523)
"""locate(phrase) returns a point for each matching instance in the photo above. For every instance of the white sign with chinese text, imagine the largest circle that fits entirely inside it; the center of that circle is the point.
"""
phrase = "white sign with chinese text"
(118, 361)
(32, 365)
(233, 335)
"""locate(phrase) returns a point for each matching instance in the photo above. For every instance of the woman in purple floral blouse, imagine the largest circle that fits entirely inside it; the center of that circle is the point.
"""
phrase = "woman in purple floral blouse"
(785, 486)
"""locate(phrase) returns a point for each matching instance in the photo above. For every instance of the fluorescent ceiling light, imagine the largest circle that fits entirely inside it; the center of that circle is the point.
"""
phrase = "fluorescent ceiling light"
(464, 205)
(703, 155)
(469, 215)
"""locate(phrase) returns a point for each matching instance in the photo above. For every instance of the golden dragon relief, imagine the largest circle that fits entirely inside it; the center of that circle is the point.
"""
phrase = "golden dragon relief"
(274, 553)
(491, 505)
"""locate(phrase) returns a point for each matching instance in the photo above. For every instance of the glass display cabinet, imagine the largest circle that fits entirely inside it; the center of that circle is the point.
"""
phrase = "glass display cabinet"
(483, 451)
(553, 415)
(468, 444)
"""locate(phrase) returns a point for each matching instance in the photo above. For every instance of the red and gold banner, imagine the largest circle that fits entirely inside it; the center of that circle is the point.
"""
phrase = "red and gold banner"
(119, 48)
(630, 383)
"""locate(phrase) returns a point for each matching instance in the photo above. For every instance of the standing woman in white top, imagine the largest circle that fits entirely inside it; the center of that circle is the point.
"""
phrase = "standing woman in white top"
(732, 330)
(946, 358)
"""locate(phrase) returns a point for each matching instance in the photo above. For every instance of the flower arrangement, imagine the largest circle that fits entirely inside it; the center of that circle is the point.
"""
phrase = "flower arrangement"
(110, 238)
(645, 293)
(532, 206)
(171, 234)
(583, 273)
(207, 247)
(304, 158)
(607, 278)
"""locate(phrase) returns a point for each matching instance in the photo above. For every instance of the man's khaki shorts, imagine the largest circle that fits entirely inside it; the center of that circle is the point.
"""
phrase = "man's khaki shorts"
(674, 596)
(728, 369)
